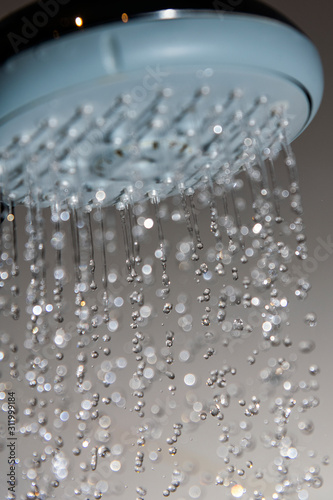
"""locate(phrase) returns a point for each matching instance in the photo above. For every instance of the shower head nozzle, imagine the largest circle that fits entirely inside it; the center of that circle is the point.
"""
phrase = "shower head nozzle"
(110, 98)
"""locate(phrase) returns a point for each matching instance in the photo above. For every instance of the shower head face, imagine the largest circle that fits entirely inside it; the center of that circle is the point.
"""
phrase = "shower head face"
(120, 142)
(145, 105)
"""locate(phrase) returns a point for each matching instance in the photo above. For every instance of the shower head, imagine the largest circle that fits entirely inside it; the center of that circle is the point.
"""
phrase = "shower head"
(106, 99)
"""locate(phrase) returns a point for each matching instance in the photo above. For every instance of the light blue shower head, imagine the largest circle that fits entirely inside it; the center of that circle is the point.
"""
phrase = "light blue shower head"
(148, 99)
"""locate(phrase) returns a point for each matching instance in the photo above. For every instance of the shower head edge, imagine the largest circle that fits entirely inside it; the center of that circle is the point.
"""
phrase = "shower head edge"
(47, 20)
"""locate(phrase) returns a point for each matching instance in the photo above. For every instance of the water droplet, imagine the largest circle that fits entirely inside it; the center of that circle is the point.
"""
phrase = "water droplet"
(237, 491)
(314, 369)
(167, 308)
(307, 346)
(310, 319)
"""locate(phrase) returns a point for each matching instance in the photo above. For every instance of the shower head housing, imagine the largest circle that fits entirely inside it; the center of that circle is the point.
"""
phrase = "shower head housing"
(108, 101)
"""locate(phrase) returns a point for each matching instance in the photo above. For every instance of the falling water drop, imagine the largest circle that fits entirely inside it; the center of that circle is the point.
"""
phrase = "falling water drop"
(310, 319)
